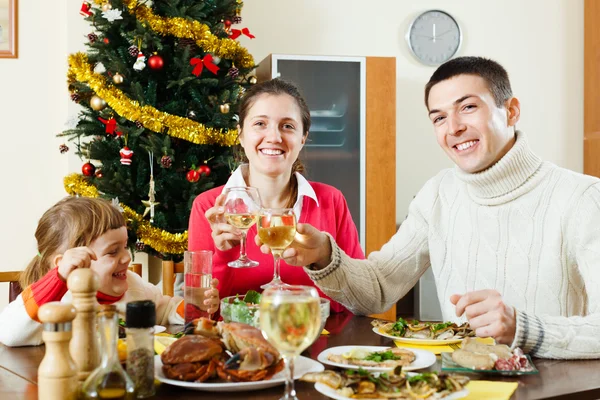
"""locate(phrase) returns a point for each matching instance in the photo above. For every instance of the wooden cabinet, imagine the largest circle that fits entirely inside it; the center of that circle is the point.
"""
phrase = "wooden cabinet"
(352, 141)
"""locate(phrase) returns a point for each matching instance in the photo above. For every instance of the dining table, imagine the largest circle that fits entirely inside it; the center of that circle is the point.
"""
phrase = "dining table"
(557, 379)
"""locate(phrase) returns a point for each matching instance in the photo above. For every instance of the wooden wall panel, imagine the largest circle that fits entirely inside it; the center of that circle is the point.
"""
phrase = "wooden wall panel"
(381, 156)
(591, 88)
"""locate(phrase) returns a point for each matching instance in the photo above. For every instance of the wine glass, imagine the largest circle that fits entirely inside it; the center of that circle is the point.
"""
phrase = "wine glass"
(276, 229)
(290, 318)
(241, 209)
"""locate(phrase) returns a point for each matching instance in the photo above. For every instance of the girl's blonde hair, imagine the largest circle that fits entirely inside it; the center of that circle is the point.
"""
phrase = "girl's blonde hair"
(72, 222)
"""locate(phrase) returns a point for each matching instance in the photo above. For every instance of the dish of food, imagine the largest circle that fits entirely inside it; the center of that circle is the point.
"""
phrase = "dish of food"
(302, 365)
(495, 359)
(376, 358)
(423, 333)
(350, 384)
(244, 309)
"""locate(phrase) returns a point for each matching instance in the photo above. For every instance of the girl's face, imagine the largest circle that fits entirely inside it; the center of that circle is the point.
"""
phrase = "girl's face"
(112, 261)
(273, 135)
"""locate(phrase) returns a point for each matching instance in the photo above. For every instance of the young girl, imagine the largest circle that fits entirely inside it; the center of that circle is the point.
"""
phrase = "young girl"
(274, 125)
(80, 232)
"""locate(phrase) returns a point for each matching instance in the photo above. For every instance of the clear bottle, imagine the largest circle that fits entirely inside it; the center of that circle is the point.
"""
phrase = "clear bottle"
(109, 380)
(140, 320)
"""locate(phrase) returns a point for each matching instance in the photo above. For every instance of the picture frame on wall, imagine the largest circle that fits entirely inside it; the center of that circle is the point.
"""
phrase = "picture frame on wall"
(8, 29)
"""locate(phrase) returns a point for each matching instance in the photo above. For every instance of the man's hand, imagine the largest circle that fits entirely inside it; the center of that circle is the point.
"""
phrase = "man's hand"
(487, 314)
(310, 246)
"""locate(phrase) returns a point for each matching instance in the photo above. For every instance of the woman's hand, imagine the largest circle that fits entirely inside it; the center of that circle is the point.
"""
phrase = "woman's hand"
(224, 235)
(78, 257)
(211, 297)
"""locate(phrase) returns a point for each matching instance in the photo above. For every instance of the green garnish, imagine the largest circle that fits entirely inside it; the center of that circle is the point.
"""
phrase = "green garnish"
(399, 327)
(122, 323)
(380, 356)
(252, 297)
(439, 327)
(424, 377)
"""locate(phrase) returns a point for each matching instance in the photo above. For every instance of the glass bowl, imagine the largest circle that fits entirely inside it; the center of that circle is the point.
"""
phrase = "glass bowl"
(234, 309)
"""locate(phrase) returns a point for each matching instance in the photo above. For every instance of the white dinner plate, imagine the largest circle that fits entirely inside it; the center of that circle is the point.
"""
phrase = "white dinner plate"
(302, 365)
(423, 358)
(426, 342)
(159, 329)
(331, 392)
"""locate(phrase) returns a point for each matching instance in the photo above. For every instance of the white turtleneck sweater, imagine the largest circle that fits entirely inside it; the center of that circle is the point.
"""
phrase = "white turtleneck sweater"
(524, 227)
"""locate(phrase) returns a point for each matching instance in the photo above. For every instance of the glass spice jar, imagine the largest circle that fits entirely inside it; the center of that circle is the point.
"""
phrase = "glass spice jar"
(140, 320)
(109, 380)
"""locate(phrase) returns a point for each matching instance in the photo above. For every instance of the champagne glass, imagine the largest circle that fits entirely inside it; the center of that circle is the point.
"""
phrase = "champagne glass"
(241, 209)
(276, 229)
(290, 318)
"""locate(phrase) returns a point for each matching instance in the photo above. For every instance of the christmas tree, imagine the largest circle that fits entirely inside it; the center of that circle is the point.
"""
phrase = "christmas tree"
(159, 88)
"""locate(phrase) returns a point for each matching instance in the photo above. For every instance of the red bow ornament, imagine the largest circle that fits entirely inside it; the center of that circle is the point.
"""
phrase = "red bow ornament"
(85, 9)
(235, 33)
(111, 126)
(200, 63)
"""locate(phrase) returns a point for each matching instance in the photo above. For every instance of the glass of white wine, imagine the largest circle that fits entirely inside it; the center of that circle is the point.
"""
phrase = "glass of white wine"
(276, 229)
(290, 318)
(242, 205)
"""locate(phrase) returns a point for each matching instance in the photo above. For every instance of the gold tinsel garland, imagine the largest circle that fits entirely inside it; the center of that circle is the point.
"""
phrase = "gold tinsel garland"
(81, 70)
(158, 239)
(200, 33)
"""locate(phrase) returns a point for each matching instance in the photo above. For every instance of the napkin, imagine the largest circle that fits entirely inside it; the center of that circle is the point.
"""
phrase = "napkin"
(489, 390)
(439, 349)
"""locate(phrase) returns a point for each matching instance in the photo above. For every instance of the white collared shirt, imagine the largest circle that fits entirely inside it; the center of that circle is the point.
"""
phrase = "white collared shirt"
(304, 188)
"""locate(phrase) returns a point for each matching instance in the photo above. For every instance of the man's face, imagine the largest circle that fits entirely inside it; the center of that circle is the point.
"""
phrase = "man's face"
(469, 126)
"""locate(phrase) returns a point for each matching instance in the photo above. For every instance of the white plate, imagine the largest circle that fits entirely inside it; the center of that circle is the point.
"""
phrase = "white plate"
(331, 392)
(302, 365)
(423, 358)
(159, 329)
(426, 342)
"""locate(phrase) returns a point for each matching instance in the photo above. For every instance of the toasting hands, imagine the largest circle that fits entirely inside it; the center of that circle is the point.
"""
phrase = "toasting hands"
(487, 314)
(224, 235)
(310, 246)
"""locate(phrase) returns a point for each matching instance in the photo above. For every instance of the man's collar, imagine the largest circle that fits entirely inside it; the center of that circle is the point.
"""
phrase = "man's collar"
(304, 187)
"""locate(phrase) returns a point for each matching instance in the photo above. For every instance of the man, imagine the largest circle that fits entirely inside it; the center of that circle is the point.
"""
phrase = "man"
(513, 241)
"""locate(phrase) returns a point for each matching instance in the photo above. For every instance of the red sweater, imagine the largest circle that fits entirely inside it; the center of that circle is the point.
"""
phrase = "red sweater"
(332, 216)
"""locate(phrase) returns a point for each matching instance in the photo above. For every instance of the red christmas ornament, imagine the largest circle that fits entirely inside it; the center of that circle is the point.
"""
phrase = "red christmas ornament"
(204, 170)
(88, 169)
(192, 175)
(227, 23)
(99, 174)
(156, 62)
(126, 155)
(105, 40)
(85, 9)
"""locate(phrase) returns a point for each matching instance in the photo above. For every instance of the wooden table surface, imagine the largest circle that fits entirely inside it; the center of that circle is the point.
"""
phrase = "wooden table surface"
(556, 380)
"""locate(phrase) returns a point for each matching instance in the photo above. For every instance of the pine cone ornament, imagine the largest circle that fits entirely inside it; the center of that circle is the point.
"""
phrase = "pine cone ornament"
(166, 161)
(92, 37)
(63, 148)
(236, 19)
(75, 97)
(133, 51)
(233, 72)
(186, 42)
(140, 246)
(138, 124)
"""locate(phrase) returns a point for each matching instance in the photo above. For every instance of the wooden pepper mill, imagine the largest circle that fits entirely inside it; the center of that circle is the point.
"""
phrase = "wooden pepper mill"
(57, 373)
(83, 284)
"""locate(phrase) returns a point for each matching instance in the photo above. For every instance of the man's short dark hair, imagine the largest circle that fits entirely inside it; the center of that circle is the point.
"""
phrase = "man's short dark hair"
(494, 75)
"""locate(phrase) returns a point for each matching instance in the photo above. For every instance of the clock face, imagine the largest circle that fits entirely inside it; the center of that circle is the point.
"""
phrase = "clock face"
(434, 37)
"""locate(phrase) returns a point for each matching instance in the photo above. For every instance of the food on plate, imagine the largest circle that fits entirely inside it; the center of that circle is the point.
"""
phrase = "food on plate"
(252, 359)
(392, 357)
(394, 385)
(480, 356)
(424, 330)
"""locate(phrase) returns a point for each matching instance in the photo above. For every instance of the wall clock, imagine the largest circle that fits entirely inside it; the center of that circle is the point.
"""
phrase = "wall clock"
(434, 37)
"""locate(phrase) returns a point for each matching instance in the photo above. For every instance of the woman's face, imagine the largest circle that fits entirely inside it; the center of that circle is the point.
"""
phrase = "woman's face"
(272, 135)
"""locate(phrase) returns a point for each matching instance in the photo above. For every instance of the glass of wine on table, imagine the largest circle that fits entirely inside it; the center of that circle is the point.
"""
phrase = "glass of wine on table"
(242, 205)
(276, 229)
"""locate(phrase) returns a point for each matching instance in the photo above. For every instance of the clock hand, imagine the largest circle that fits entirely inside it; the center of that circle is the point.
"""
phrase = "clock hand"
(442, 34)
(433, 33)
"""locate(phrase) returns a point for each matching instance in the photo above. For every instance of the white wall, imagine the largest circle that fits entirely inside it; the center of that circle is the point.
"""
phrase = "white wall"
(540, 42)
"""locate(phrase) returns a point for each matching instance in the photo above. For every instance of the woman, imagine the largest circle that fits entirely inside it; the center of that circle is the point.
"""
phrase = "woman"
(274, 125)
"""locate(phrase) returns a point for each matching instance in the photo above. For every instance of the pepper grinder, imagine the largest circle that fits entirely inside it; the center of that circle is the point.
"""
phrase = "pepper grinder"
(57, 373)
(83, 284)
